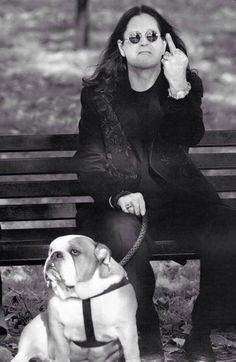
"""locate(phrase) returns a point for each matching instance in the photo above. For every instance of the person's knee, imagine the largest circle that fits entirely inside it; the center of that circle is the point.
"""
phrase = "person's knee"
(119, 232)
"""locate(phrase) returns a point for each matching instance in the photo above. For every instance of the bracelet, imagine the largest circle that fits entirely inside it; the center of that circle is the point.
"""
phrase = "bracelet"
(180, 93)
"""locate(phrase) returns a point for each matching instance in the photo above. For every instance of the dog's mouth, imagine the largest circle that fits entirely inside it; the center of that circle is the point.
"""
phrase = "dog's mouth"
(52, 271)
(53, 276)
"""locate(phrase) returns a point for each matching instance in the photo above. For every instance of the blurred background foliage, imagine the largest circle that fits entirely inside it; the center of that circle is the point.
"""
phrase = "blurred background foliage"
(40, 77)
(40, 72)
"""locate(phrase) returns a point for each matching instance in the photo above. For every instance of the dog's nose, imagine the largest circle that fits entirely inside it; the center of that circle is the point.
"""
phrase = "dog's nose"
(57, 255)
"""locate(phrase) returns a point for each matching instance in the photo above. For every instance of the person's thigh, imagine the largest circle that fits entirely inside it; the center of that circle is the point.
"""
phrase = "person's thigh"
(118, 231)
(210, 227)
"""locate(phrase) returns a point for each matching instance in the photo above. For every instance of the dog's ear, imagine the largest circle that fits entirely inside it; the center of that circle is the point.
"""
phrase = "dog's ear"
(103, 254)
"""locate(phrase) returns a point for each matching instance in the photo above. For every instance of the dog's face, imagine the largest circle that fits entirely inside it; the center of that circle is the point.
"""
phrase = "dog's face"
(72, 259)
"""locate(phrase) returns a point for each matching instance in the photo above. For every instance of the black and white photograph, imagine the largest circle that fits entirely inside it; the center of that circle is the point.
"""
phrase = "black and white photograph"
(117, 181)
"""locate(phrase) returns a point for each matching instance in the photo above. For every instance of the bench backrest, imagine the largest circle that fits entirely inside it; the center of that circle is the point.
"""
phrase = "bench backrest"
(37, 177)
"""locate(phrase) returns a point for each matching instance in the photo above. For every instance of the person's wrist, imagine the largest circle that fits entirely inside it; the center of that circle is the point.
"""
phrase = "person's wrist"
(179, 91)
(178, 84)
(113, 200)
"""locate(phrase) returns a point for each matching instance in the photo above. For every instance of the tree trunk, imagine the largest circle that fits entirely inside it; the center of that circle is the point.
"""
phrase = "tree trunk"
(81, 24)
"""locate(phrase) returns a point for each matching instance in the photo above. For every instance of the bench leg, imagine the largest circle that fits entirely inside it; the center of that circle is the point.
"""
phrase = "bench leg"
(3, 326)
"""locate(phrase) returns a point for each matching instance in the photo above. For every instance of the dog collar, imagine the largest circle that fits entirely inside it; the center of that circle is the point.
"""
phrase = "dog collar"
(124, 281)
(88, 321)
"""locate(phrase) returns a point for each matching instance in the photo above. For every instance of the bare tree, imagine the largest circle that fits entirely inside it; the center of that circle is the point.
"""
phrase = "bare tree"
(81, 24)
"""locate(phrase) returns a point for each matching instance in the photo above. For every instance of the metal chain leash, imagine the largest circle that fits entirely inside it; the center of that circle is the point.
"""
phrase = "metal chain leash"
(132, 251)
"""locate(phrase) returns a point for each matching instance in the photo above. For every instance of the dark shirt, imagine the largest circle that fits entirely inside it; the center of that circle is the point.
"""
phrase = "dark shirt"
(140, 127)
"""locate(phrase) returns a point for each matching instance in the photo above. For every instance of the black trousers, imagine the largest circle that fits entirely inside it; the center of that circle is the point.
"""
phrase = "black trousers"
(212, 228)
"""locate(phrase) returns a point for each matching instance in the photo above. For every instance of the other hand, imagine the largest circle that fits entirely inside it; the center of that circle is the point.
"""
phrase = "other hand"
(175, 63)
(132, 204)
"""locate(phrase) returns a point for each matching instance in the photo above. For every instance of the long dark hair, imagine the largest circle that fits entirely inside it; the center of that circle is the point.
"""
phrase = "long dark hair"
(113, 67)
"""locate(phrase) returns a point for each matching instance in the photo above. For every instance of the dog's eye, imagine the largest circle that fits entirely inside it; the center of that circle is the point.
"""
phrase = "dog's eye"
(74, 252)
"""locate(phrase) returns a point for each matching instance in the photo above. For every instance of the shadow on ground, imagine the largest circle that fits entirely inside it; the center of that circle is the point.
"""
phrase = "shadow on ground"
(224, 345)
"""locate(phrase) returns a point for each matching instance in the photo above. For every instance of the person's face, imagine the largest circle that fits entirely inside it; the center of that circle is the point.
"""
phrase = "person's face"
(147, 52)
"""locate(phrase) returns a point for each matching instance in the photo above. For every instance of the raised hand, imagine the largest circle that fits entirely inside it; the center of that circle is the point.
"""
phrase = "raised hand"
(175, 63)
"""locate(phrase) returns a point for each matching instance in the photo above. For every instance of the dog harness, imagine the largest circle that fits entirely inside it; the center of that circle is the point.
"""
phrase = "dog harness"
(88, 321)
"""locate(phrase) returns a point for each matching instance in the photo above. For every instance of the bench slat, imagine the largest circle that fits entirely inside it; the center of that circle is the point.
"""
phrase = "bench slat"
(28, 254)
(35, 235)
(37, 212)
(38, 143)
(214, 160)
(62, 165)
(219, 138)
(36, 253)
(40, 189)
(50, 211)
(171, 249)
(72, 187)
(230, 202)
(52, 165)
(28, 246)
(31, 246)
(69, 141)
(223, 183)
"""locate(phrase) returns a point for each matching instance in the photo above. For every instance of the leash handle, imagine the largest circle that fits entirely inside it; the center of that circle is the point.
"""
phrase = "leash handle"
(132, 251)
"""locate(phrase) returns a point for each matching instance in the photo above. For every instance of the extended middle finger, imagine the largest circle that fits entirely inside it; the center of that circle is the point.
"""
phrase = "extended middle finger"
(170, 43)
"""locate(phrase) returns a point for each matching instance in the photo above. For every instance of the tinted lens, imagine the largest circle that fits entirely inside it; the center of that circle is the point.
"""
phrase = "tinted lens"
(134, 38)
(151, 36)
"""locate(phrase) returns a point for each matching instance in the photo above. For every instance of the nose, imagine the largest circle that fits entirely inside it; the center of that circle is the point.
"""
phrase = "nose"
(143, 40)
(57, 255)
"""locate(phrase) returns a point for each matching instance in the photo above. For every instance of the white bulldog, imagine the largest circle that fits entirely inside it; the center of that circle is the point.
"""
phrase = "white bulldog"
(91, 302)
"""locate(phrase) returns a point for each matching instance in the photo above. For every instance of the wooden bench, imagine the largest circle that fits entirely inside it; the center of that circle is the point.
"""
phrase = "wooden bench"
(37, 180)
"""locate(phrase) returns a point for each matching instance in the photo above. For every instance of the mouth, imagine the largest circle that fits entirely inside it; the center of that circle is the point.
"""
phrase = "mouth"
(52, 273)
(144, 52)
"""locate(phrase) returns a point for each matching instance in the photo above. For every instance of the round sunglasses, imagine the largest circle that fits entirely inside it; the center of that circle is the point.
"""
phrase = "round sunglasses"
(135, 36)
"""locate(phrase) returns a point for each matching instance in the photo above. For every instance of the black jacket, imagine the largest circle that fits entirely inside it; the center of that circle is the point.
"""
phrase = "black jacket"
(106, 161)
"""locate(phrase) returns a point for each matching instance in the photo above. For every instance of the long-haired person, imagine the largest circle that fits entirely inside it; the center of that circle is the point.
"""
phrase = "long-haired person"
(141, 111)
